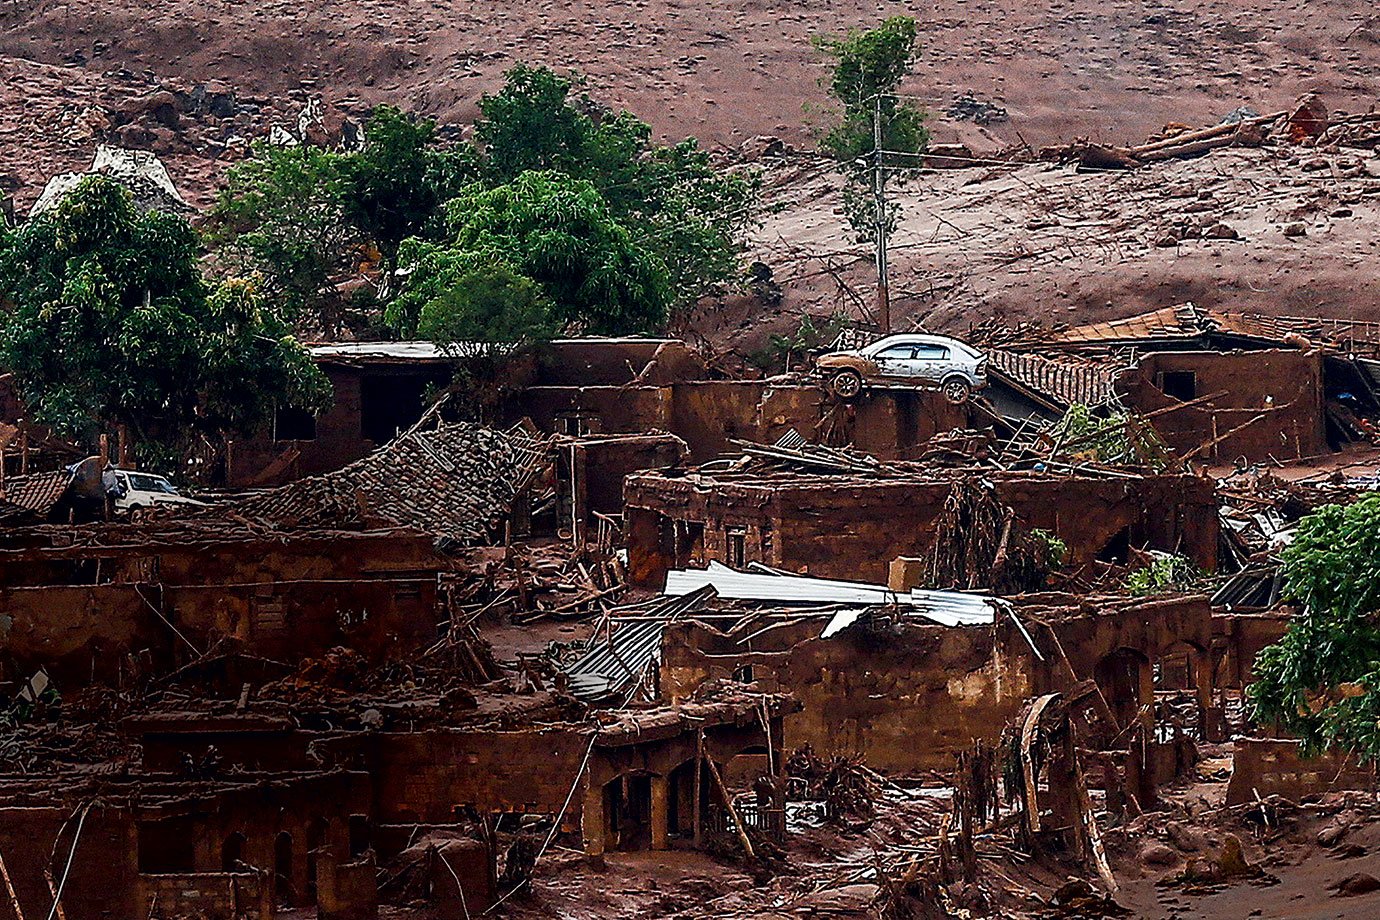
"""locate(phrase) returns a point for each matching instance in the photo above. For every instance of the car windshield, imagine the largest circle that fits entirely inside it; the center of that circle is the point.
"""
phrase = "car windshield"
(143, 482)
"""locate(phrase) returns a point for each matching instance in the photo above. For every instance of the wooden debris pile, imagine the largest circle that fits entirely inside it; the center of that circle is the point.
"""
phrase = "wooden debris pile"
(980, 544)
(1360, 131)
(522, 584)
(848, 789)
(1306, 123)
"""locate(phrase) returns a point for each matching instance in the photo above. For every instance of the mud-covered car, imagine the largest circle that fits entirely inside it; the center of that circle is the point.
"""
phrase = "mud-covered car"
(929, 360)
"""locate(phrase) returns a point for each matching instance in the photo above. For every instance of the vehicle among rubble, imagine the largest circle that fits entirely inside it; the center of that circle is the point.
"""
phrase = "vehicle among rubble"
(933, 360)
(138, 492)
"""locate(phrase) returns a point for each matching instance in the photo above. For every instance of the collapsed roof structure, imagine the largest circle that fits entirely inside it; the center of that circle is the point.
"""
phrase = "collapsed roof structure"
(457, 481)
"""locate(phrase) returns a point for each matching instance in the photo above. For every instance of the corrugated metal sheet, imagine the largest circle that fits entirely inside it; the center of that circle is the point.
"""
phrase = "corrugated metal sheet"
(613, 666)
(948, 608)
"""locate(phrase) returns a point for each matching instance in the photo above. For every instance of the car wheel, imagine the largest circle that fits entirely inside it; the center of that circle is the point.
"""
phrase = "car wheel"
(957, 390)
(846, 384)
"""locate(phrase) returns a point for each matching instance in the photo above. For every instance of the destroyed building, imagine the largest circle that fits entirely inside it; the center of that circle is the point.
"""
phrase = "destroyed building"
(612, 628)
(581, 387)
(908, 687)
(1216, 385)
(848, 518)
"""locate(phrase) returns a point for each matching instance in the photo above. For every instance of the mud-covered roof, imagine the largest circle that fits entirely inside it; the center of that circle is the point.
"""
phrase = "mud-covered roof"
(454, 482)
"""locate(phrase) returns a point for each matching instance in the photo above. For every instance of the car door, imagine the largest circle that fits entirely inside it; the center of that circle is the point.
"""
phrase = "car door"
(895, 361)
(930, 362)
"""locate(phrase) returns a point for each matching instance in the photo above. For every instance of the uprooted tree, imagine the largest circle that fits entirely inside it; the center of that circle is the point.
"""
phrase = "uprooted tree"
(1321, 681)
(868, 67)
(110, 325)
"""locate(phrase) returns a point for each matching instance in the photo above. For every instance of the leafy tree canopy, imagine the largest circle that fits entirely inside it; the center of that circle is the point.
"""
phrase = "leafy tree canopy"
(1322, 679)
(557, 231)
(488, 304)
(301, 218)
(109, 322)
(282, 218)
(868, 67)
(395, 185)
(673, 199)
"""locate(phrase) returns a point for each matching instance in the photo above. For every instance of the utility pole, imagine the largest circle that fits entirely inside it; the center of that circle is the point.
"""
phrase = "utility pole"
(879, 207)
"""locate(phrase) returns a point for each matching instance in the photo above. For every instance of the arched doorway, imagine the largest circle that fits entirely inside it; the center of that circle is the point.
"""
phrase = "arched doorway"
(628, 811)
(282, 868)
(232, 853)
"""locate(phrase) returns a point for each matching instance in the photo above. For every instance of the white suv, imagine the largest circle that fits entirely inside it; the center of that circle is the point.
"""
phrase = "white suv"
(136, 492)
(953, 366)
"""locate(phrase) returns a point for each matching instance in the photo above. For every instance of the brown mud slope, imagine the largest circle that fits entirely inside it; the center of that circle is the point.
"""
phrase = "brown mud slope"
(724, 70)
(1282, 230)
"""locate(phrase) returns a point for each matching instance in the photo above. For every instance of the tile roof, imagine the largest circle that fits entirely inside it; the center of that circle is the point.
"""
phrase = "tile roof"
(37, 492)
(1187, 322)
(1062, 379)
(1181, 322)
(455, 482)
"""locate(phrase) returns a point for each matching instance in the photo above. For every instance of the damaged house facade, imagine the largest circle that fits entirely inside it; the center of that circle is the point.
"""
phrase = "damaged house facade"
(845, 523)
(1217, 385)
(426, 667)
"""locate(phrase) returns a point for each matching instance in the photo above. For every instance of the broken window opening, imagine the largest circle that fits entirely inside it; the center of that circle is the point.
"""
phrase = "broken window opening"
(1118, 549)
(1180, 385)
(359, 835)
(743, 674)
(165, 847)
(292, 424)
(575, 424)
(1120, 676)
(282, 868)
(232, 853)
(737, 548)
(689, 543)
(392, 403)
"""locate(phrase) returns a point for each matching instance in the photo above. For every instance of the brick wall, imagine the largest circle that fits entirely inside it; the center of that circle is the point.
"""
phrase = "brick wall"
(209, 895)
(1274, 766)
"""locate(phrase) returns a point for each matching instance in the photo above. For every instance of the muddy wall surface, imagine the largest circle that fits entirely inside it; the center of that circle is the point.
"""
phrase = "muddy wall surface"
(284, 599)
(1274, 766)
(424, 777)
(1263, 403)
(81, 633)
(105, 886)
(908, 699)
(838, 527)
(1237, 638)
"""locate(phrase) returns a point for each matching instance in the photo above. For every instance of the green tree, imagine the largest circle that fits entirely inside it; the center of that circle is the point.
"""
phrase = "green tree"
(1321, 681)
(557, 231)
(281, 218)
(304, 218)
(490, 304)
(395, 185)
(868, 67)
(674, 200)
(109, 323)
